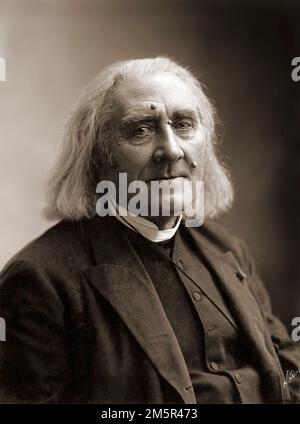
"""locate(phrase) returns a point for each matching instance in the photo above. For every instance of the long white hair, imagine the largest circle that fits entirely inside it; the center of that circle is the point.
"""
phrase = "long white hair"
(72, 185)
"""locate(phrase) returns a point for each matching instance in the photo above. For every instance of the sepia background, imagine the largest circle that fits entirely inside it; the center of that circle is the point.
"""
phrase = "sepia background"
(241, 51)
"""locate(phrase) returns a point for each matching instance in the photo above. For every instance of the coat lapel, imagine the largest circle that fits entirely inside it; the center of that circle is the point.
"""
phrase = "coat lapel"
(243, 306)
(121, 278)
(200, 275)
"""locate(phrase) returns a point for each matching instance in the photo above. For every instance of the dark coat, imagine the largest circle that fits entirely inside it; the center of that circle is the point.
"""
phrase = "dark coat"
(84, 323)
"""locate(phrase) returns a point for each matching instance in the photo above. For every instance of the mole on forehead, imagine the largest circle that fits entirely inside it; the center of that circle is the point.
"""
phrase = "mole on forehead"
(146, 105)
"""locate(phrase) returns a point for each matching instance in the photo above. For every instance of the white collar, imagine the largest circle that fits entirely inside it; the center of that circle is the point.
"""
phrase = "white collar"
(143, 226)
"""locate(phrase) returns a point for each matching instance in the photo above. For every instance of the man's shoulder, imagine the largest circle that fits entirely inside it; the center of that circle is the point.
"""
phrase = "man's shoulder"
(62, 246)
(220, 238)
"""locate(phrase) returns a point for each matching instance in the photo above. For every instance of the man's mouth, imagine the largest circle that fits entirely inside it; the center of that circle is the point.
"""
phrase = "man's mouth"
(167, 179)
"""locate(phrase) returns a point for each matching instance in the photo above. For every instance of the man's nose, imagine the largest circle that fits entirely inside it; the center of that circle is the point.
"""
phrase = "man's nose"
(167, 147)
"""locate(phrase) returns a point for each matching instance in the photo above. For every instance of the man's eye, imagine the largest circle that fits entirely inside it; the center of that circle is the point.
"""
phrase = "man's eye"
(183, 125)
(142, 131)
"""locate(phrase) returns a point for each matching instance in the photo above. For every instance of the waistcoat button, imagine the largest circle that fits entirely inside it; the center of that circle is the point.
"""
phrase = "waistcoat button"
(197, 296)
(238, 378)
(214, 366)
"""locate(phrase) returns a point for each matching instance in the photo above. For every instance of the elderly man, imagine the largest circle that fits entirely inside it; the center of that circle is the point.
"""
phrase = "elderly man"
(126, 308)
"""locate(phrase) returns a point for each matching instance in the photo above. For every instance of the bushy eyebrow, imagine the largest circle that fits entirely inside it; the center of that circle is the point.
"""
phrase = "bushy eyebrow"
(186, 113)
(136, 117)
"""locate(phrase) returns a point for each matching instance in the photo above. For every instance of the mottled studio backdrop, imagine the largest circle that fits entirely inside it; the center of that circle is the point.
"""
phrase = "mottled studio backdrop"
(241, 51)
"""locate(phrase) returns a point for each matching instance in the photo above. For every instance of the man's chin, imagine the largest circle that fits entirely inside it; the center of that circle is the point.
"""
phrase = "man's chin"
(173, 205)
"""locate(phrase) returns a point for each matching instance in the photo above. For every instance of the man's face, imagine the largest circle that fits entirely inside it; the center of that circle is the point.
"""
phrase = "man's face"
(158, 133)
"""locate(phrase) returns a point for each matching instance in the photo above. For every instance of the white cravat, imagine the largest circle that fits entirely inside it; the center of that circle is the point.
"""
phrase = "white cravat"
(141, 225)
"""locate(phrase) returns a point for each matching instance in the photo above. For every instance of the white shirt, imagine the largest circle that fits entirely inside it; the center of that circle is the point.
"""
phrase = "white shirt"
(143, 226)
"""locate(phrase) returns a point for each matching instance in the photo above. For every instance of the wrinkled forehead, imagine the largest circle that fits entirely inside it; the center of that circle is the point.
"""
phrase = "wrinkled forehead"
(163, 92)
